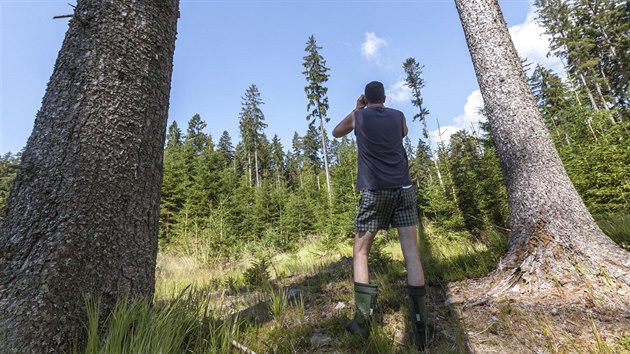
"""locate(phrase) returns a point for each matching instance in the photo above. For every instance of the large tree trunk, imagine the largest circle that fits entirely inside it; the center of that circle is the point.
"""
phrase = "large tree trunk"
(82, 218)
(551, 229)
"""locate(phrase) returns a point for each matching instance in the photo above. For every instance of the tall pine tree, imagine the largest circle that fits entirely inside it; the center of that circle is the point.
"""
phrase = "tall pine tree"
(225, 149)
(174, 181)
(252, 123)
(415, 82)
(316, 74)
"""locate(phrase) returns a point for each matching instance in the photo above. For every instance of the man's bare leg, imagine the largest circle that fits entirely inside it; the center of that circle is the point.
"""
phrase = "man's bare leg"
(362, 245)
(409, 243)
(364, 293)
(416, 290)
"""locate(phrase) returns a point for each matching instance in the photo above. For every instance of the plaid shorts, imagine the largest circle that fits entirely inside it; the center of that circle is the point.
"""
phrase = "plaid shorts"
(380, 209)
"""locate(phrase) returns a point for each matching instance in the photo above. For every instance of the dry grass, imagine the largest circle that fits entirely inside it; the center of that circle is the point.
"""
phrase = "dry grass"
(558, 321)
(174, 273)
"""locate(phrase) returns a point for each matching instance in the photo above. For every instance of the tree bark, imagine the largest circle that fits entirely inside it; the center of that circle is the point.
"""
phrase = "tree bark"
(82, 218)
(590, 95)
(551, 229)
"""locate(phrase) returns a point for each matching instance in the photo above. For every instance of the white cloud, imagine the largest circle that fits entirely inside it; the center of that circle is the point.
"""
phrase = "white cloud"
(442, 135)
(398, 92)
(532, 43)
(371, 46)
(471, 116)
(466, 121)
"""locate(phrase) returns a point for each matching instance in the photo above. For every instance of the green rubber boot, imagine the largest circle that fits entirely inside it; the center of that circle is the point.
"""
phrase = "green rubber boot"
(418, 311)
(365, 300)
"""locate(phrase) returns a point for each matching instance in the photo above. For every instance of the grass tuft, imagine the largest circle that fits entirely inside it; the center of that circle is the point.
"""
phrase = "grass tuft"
(454, 256)
(184, 324)
(617, 227)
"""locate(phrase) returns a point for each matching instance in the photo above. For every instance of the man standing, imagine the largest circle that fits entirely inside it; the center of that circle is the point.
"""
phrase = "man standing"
(388, 199)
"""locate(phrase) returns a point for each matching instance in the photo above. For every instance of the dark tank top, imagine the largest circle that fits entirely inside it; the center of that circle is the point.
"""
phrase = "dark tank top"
(382, 160)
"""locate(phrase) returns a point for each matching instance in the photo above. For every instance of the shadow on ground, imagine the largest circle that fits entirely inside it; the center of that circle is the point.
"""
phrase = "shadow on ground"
(328, 304)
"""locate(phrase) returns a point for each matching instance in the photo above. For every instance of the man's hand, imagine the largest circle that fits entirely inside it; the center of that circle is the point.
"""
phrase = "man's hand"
(361, 103)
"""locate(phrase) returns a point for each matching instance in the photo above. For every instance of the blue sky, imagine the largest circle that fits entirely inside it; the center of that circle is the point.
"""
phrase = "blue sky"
(224, 46)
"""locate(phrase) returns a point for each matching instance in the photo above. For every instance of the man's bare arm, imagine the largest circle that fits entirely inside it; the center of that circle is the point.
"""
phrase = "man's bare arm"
(347, 124)
(405, 129)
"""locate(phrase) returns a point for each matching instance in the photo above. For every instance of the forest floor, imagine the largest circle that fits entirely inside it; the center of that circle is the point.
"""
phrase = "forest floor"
(308, 299)
(558, 321)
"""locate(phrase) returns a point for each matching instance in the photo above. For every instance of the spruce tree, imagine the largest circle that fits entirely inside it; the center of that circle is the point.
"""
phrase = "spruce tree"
(558, 107)
(442, 195)
(494, 201)
(464, 164)
(225, 149)
(345, 195)
(195, 144)
(196, 140)
(587, 36)
(310, 147)
(264, 157)
(556, 17)
(295, 162)
(206, 179)
(408, 148)
(297, 146)
(277, 158)
(175, 181)
(173, 135)
(602, 25)
(316, 74)
(241, 163)
(251, 124)
(415, 82)
(422, 169)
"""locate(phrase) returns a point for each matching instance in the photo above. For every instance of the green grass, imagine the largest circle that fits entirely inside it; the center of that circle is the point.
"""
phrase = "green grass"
(201, 306)
(600, 345)
(206, 306)
(617, 227)
(279, 302)
(183, 324)
(453, 256)
(308, 260)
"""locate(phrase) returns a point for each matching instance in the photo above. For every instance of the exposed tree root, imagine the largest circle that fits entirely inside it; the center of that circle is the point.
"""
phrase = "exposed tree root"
(545, 268)
(530, 309)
